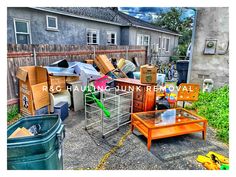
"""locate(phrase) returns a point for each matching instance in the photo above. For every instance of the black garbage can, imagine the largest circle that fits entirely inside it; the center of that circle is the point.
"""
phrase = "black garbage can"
(182, 69)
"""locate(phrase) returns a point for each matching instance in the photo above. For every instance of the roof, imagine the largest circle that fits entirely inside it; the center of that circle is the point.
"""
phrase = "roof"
(105, 15)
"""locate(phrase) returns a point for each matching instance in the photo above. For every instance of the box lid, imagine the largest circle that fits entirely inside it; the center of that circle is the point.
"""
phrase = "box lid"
(40, 95)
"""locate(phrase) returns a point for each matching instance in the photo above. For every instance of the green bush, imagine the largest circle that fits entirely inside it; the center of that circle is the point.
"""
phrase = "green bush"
(215, 107)
(12, 111)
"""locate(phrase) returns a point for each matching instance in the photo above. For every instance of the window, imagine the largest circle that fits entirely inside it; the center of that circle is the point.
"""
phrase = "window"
(146, 40)
(159, 42)
(111, 38)
(143, 39)
(22, 31)
(167, 44)
(92, 36)
(139, 39)
(51, 22)
(163, 42)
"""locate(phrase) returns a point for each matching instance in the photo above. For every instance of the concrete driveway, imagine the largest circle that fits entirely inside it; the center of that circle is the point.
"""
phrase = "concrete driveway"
(84, 150)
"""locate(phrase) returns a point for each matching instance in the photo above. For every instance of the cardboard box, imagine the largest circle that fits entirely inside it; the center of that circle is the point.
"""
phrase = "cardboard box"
(104, 64)
(56, 83)
(20, 132)
(89, 61)
(33, 89)
(72, 79)
(148, 74)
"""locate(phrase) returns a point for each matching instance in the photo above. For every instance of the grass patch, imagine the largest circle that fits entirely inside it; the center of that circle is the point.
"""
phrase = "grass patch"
(214, 107)
(12, 112)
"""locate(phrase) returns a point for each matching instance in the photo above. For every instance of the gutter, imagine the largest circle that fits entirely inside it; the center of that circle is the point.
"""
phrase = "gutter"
(76, 16)
(156, 30)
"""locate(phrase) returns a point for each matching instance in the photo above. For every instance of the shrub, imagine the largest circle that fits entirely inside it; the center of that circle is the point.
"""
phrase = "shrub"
(215, 107)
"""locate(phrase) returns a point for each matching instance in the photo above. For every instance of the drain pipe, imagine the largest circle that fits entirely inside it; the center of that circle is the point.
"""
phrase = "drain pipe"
(192, 45)
(34, 54)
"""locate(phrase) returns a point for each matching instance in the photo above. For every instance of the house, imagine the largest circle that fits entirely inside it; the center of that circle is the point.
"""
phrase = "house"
(86, 26)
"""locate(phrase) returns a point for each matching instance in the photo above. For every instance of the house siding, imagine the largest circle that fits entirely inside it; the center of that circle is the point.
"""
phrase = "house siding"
(70, 30)
(154, 39)
(125, 36)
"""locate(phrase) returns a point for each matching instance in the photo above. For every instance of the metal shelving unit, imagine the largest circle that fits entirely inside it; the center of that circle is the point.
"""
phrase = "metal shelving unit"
(118, 102)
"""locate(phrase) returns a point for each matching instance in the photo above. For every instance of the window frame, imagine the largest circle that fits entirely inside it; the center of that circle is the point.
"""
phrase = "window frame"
(109, 33)
(145, 35)
(168, 44)
(28, 29)
(159, 42)
(52, 28)
(163, 43)
(97, 36)
(142, 39)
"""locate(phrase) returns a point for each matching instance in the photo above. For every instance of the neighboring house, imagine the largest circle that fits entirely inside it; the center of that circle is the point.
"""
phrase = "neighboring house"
(85, 26)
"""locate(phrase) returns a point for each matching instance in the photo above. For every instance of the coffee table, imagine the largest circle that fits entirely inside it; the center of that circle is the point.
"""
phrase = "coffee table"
(168, 123)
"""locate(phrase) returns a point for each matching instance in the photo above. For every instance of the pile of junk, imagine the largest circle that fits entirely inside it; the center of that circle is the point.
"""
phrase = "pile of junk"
(101, 87)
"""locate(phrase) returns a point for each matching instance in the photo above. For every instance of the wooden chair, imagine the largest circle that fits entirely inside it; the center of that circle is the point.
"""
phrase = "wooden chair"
(186, 92)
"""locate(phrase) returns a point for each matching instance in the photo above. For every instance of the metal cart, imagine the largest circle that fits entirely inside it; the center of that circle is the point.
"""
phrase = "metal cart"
(118, 102)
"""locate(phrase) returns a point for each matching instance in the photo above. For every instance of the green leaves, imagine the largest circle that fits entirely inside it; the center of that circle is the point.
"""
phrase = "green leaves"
(215, 107)
(12, 112)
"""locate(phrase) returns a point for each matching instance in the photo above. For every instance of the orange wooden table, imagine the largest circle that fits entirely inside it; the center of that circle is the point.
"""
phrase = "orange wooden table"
(153, 126)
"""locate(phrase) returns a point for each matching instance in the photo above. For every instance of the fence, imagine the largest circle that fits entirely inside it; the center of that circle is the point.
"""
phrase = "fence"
(44, 54)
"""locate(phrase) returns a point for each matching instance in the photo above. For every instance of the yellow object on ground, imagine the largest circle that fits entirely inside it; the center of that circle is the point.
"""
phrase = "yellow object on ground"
(220, 157)
(214, 161)
(203, 159)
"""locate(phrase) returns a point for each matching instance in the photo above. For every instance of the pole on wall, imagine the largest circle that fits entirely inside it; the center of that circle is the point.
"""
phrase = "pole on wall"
(34, 56)
(192, 46)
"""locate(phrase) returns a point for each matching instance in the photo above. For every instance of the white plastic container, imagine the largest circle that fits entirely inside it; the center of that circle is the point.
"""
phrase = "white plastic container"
(58, 97)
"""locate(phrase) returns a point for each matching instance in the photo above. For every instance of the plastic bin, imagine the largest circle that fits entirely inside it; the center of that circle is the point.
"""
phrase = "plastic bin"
(39, 152)
(182, 68)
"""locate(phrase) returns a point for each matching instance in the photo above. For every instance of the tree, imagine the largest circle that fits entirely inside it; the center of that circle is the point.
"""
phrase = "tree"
(175, 20)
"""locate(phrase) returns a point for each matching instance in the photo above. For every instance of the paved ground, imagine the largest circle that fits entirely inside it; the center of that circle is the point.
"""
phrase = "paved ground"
(88, 150)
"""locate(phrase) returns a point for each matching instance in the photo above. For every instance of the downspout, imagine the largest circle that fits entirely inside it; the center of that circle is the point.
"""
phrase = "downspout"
(192, 46)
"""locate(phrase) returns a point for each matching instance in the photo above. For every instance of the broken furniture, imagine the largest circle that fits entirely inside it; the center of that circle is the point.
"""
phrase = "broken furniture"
(144, 95)
(164, 123)
(188, 92)
(86, 72)
(103, 64)
(117, 103)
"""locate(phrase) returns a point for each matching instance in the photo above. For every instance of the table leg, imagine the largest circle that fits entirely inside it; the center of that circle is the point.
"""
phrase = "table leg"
(132, 128)
(204, 131)
(149, 142)
(149, 139)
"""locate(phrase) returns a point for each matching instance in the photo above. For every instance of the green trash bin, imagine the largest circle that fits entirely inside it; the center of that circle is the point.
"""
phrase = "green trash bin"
(40, 152)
